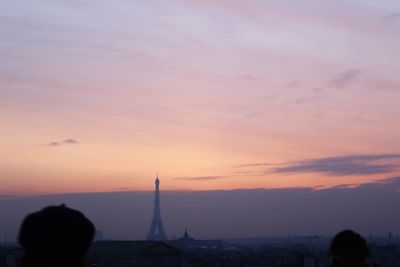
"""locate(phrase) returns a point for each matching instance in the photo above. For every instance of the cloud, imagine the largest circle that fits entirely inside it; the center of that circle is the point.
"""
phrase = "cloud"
(342, 165)
(64, 142)
(389, 183)
(125, 188)
(340, 186)
(253, 165)
(250, 173)
(201, 178)
(53, 144)
(344, 78)
(70, 142)
(391, 23)
(392, 18)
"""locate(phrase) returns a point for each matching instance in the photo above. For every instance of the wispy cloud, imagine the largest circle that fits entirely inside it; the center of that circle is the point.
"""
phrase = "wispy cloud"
(343, 165)
(336, 166)
(53, 144)
(345, 78)
(392, 18)
(64, 142)
(201, 178)
(70, 141)
(254, 165)
(392, 182)
(250, 173)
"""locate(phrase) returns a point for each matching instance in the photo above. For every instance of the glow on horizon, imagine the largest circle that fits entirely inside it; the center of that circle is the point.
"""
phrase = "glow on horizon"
(196, 89)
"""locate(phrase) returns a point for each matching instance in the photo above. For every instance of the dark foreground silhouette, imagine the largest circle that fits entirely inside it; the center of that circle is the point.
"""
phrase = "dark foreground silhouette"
(55, 236)
(59, 236)
(350, 249)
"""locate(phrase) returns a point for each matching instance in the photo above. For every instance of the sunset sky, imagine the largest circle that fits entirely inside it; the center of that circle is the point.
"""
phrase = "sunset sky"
(97, 96)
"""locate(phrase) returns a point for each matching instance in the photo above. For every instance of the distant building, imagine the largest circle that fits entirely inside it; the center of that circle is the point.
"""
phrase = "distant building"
(185, 236)
(187, 243)
(10, 256)
(134, 254)
(310, 261)
(99, 235)
(156, 231)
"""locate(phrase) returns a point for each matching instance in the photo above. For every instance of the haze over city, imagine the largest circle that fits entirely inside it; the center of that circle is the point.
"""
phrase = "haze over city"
(254, 115)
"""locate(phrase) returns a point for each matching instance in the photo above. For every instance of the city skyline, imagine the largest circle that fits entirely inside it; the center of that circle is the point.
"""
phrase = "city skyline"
(227, 213)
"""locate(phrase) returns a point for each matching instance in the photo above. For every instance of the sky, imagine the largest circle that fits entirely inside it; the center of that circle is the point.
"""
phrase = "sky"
(97, 96)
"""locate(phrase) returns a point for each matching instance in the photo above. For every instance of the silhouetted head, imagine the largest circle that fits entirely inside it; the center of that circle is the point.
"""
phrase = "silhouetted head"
(349, 249)
(55, 236)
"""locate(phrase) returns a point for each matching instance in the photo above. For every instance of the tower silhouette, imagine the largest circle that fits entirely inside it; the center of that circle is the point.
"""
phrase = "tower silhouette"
(156, 231)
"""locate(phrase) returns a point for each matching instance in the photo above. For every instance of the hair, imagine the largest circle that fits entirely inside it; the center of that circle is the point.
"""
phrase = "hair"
(349, 242)
(55, 236)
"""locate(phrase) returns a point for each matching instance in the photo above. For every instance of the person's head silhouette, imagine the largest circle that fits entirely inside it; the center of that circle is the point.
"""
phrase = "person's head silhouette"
(55, 236)
(349, 249)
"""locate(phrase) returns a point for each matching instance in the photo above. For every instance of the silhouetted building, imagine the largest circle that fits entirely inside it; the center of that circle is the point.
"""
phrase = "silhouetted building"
(187, 243)
(185, 236)
(10, 256)
(156, 231)
(135, 254)
(99, 235)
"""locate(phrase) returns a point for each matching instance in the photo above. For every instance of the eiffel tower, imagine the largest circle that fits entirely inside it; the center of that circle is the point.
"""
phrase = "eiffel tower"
(156, 231)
